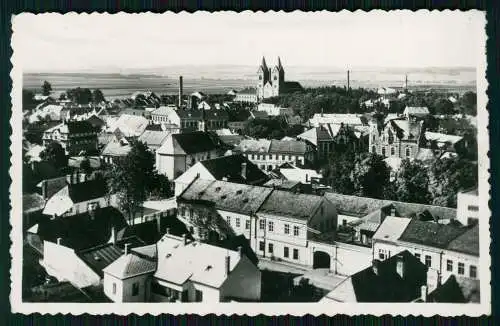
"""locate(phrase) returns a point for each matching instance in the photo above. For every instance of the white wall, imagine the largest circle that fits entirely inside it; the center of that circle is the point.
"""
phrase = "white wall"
(187, 177)
(232, 222)
(275, 160)
(143, 282)
(109, 280)
(466, 207)
(351, 259)
(63, 263)
(210, 294)
(456, 258)
(243, 282)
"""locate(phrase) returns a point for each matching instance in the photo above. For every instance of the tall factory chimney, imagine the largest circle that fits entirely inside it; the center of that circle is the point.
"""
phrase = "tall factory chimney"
(348, 81)
(180, 91)
(406, 83)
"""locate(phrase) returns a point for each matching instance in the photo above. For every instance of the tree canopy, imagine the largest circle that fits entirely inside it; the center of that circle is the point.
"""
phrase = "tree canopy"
(80, 95)
(412, 183)
(46, 88)
(97, 96)
(274, 128)
(55, 154)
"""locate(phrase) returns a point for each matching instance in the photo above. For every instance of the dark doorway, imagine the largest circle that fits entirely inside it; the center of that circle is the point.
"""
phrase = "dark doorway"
(321, 260)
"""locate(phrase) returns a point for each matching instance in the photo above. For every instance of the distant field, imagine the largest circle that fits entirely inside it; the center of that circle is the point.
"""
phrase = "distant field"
(116, 85)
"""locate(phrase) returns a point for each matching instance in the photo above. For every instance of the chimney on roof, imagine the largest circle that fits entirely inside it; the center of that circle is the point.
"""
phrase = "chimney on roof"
(393, 211)
(126, 249)
(375, 266)
(74, 179)
(113, 235)
(68, 178)
(184, 239)
(423, 293)
(244, 170)
(180, 91)
(400, 266)
(227, 265)
(58, 241)
(240, 251)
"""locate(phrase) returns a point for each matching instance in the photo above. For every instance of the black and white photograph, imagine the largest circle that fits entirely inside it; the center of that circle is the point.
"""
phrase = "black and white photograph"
(248, 163)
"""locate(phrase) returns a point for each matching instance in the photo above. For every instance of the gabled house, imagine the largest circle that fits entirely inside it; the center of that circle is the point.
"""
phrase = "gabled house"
(232, 168)
(153, 139)
(397, 279)
(177, 269)
(117, 147)
(74, 136)
(130, 125)
(181, 151)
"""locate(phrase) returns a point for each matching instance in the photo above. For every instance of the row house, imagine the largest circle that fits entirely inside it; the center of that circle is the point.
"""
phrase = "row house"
(446, 249)
(277, 223)
(350, 119)
(190, 120)
(178, 269)
(179, 152)
(73, 136)
(271, 154)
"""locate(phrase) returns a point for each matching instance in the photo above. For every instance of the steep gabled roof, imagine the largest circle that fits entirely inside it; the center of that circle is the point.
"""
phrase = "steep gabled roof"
(230, 167)
(196, 142)
(285, 203)
(294, 147)
(467, 242)
(130, 265)
(431, 234)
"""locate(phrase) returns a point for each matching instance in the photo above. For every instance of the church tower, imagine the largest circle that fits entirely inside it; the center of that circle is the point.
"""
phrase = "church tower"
(263, 78)
(278, 78)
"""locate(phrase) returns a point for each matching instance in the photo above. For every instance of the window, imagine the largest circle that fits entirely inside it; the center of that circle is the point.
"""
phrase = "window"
(428, 260)
(374, 149)
(472, 271)
(473, 208)
(237, 222)
(417, 255)
(270, 248)
(261, 246)
(381, 254)
(408, 151)
(247, 224)
(461, 269)
(262, 224)
(449, 265)
(296, 230)
(289, 157)
(282, 157)
(270, 226)
(198, 296)
(191, 213)
(295, 253)
(285, 252)
(287, 228)
(135, 289)
(393, 151)
(114, 288)
(228, 220)
(383, 151)
(253, 156)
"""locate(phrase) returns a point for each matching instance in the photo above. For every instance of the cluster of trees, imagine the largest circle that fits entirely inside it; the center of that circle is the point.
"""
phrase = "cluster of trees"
(438, 103)
(135, 179)
(83, 95)
(367, 175)
(274, 128)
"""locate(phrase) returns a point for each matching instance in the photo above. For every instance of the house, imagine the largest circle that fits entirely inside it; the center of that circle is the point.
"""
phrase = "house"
(166, 115)
(78, 196)
(232, 168)
(327, 137)
(441, 143)
(335, 118)
(130, 125)
(116, 148)
(416, 112)
(153, 139)
(202, 120)
(446, 249)
(248, 95)
(364, 215)
(270, 154)
(397, 279)
(177, 269)
(468, 206)
(454, 290)
(181, 151)
(74, 136)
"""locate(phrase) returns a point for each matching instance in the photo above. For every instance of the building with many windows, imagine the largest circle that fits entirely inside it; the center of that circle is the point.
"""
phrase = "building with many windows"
(74, 136)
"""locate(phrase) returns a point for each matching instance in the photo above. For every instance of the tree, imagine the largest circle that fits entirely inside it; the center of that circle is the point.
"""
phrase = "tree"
(338, 172)
(46, 88)
(80, 95)
(370, 175)
(450, 175)
(28, 98)
(55, 154)
(468, 102)
(97, 96)
(412, 183)
(160, 186)
(131, 178)
(443, 106)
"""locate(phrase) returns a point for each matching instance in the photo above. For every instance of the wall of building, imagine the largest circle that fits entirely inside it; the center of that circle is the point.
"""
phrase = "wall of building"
(456, 258)
(155, 297)
(187, 177)
(467, 207)
(274, 160)
(63, 263)
(117, 295)
(350, 259)
(244, 282)
(325, 218)
(210, 294)
(143, 282)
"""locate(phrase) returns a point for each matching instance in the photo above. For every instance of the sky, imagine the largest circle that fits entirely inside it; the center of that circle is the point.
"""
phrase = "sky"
(75, 42)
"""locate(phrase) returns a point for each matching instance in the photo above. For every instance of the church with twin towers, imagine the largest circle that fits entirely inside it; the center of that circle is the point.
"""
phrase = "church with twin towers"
(271, 81)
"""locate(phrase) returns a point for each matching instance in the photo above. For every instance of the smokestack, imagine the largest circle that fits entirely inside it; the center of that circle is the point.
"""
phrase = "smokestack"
(423, 293)
(184, 239)
(227, 265)
(180, 91)
(400, 266)
(244, 170)
(348, 80)
(125, 250)
(68, 178)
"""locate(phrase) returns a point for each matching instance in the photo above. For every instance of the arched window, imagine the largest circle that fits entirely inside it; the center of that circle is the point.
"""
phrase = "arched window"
(374, 149)
(408, 151)
(383, 151)
(275, 77)
(393, 151)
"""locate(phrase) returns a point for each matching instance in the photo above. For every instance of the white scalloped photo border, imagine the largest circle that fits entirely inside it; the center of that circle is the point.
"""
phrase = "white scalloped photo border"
(250, 309)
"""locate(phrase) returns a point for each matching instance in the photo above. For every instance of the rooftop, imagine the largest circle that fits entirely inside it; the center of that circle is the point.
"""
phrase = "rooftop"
(431, 234)
(230, 167)
(296, 147)
(154, 138)
(299, 206)
(130, 265)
